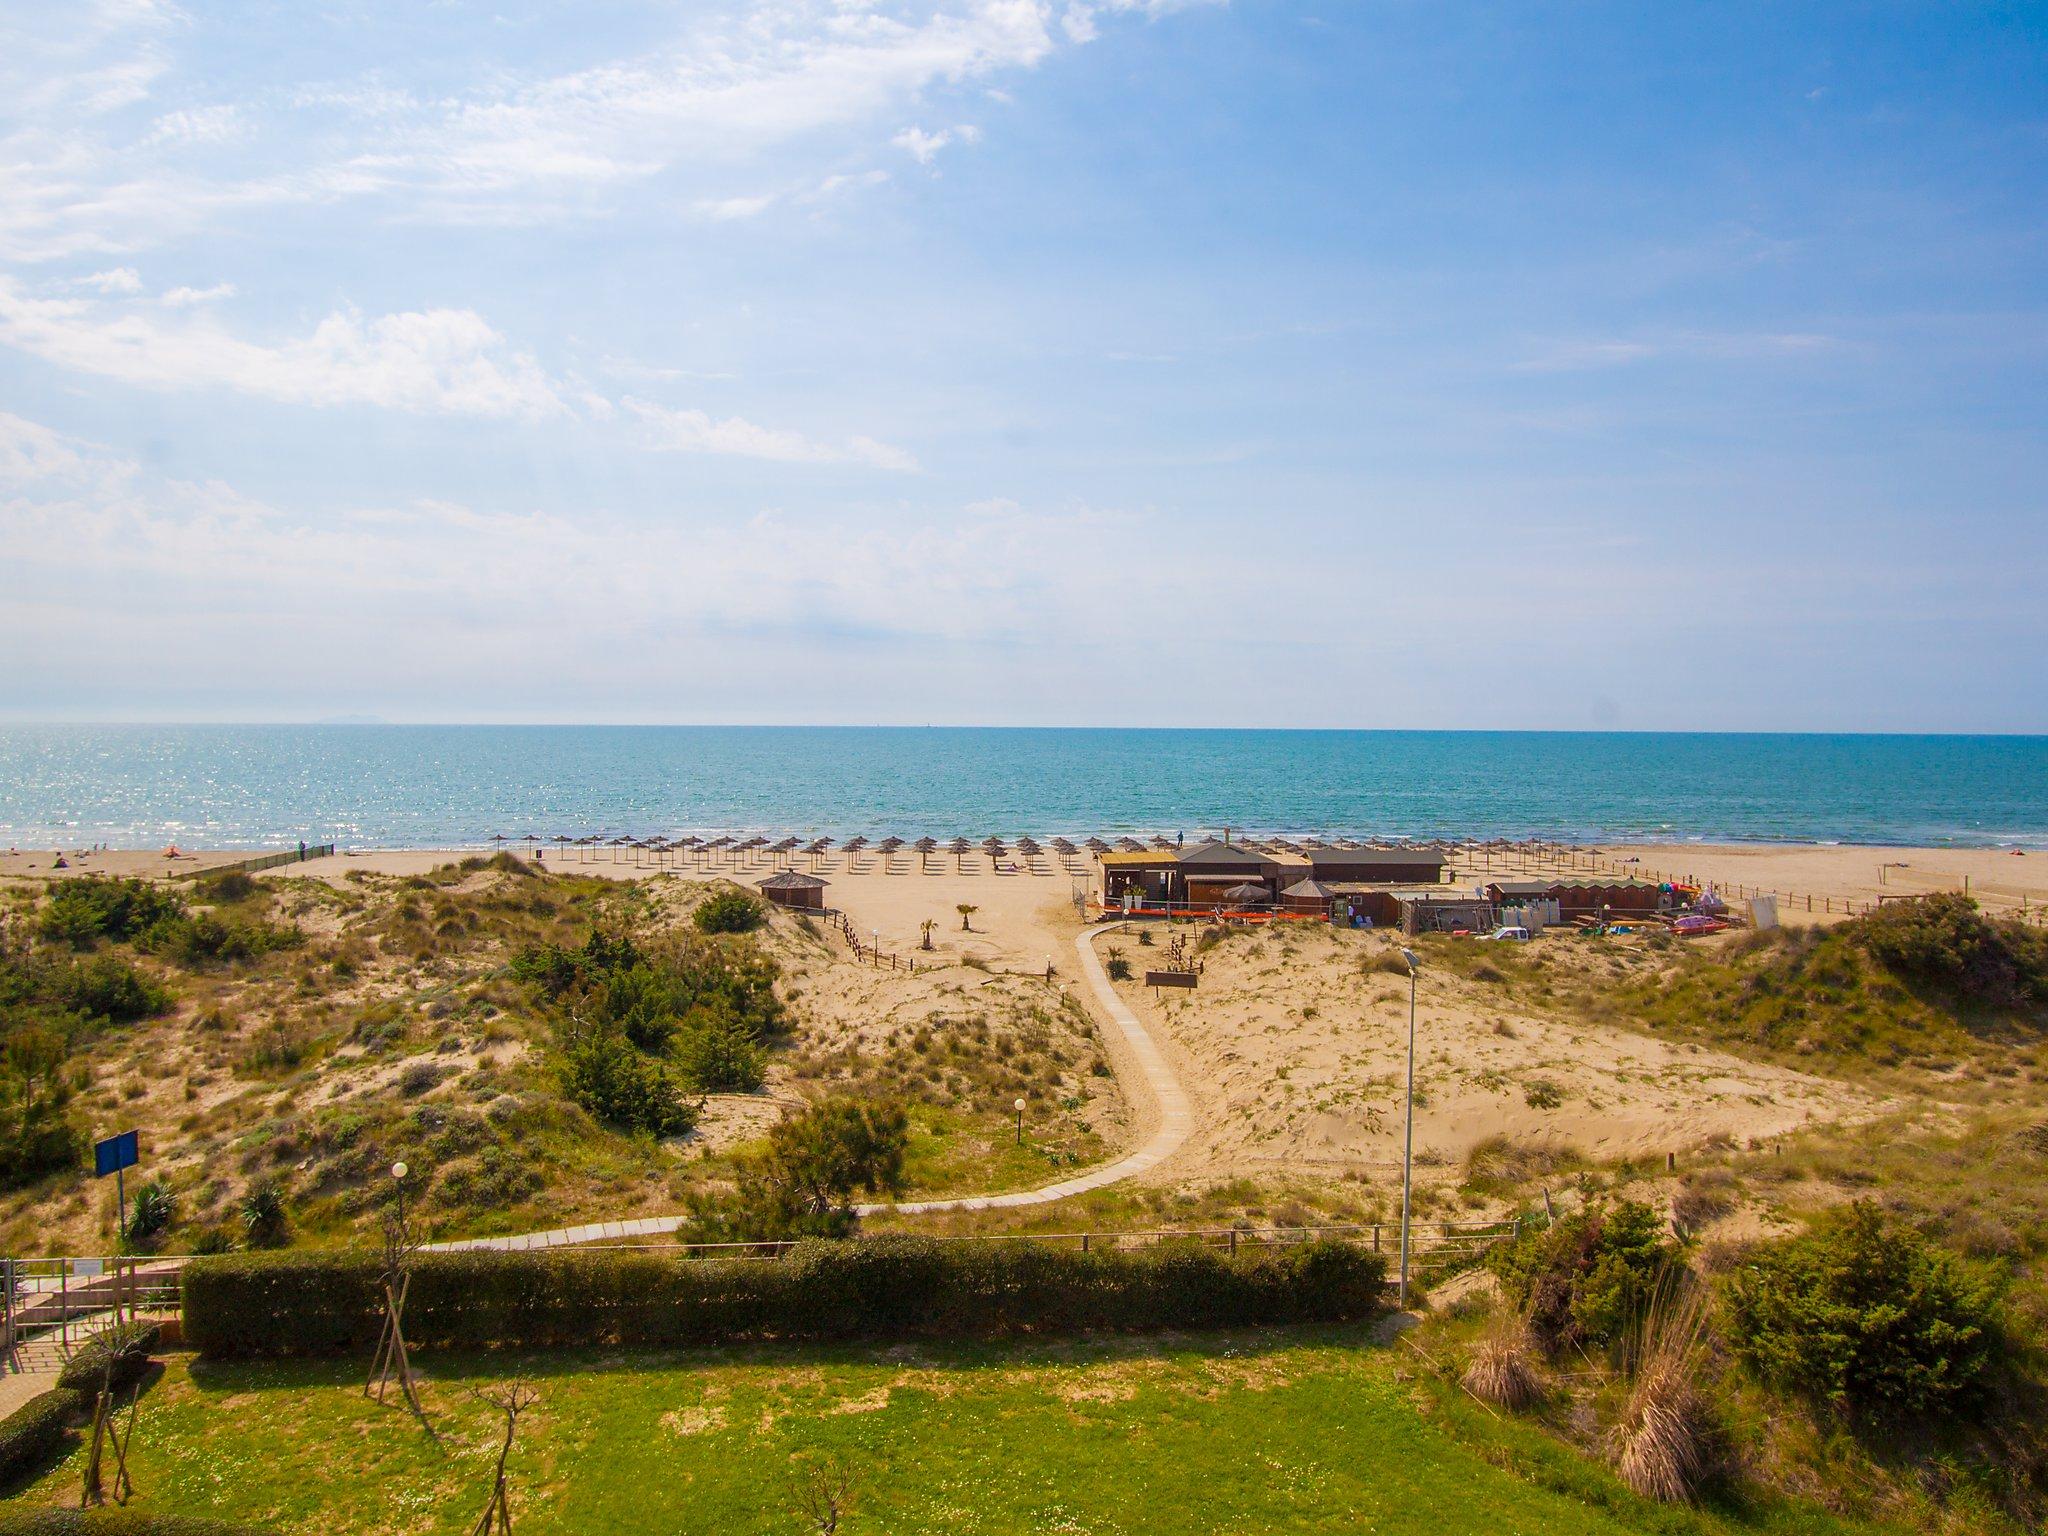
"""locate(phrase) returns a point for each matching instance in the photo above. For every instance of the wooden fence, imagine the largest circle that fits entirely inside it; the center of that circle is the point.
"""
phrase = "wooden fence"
(249, 866)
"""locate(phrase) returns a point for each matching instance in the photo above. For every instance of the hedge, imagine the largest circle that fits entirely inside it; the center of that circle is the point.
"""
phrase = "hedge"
(35, 1429)
(128, 1344)
(111, 1522)
(311, 1303)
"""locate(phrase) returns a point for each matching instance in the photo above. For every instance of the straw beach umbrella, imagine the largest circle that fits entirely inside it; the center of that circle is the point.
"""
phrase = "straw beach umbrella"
(925, 847)
(958, 848)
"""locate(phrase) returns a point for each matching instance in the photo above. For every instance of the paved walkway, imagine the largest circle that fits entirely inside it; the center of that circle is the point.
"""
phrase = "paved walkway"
(1176, 1119)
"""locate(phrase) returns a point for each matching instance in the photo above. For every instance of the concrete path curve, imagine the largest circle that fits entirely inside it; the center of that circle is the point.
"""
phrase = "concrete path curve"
(1176, 1119)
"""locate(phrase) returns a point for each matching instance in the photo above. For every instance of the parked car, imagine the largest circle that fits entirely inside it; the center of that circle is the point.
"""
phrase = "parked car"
(1510, 935)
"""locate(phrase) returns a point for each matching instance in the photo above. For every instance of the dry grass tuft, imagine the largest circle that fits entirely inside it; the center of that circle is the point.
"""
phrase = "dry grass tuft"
(1663, 1443)
(1502, 1371)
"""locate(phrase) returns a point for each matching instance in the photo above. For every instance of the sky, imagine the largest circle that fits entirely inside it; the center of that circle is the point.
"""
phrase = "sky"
(1365, 363)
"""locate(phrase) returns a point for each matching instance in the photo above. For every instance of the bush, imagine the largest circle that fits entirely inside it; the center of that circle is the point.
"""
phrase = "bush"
(728, 912)
(1584, 1279)
(1116, 967)
(607, 1076)
(80, 912)
(265, 1222)
(127, 1345)
(197, 940)
(1866, 1316)
(150, 1217)
(804, 1184)
(112, 1522)
(235, 885)
(108, 988)
(720, 1057)
(34, 1430)
(1944, 938)
(262, 1305)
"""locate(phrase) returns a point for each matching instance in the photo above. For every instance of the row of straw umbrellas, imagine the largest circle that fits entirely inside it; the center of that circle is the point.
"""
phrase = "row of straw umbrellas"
(733, 852)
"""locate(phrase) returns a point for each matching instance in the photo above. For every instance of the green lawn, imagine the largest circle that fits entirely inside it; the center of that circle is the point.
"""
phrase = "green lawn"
(1300, 1431)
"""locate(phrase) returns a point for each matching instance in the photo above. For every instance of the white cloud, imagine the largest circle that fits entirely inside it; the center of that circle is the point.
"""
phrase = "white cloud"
(758, 77)
(722, 209)
(694, 431)
(118, 280)
(439, 360)
(184, 298)
(429, 362)
(924, 147)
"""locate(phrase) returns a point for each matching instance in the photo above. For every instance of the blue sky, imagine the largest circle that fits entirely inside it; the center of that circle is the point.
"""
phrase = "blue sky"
(1026, 361)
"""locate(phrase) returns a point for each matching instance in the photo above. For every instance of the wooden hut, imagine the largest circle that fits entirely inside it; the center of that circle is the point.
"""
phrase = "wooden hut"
(789, 888)
(1307, 896)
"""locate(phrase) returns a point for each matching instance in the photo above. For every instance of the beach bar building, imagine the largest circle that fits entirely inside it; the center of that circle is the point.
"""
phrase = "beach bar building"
(1584, 898)
(790, 888)
(1206, 875)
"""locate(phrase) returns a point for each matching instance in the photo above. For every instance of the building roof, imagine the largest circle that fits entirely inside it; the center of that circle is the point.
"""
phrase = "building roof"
(1366, 857)
(1524, 887)
(1232, 854)
(1151, 858)
(791, 880)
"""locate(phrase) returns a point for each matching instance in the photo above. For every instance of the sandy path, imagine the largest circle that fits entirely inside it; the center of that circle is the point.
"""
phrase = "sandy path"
(1143, 1072)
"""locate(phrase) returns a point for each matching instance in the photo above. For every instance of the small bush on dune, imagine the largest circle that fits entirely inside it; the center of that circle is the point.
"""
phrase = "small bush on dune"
(235, 885)
(605, 1074)
(805, 1183)
(1944, 939)
(81, 912)
(1502, 1369)
(1116, 966)
(1865, 1315)
(108, 988)
(729, 912)
(1665, 1443)
(1586, 1277)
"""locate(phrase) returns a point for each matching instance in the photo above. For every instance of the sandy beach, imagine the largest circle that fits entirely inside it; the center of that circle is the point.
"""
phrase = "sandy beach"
(898, 892)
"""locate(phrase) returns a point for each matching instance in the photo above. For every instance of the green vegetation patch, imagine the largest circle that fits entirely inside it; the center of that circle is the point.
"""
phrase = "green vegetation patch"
(1254, 1433)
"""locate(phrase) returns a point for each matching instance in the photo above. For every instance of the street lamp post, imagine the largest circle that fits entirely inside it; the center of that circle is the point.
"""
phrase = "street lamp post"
(398, 1173)
(1408, 1139)
(1019, 1107)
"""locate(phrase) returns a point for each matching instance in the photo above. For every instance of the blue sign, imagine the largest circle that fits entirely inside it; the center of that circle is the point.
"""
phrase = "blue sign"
(116, 1153)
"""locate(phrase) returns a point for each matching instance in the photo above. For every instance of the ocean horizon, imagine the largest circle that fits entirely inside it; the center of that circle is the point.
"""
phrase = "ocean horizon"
(384, 786)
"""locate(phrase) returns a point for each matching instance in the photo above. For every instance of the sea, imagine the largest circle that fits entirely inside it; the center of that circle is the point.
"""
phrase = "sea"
(370, 786)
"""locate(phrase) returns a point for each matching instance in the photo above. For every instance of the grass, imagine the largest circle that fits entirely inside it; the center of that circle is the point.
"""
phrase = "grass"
(1292, 1430)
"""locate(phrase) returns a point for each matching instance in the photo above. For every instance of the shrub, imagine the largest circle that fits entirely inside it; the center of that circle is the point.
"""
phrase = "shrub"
(893, 1287)
(728, 912)
(265, 1222)
(151, 1215)
(1665, 1443)
(35, 1429)
(38, 1134)
(109, 988)
(235, 885)
(616, 1083)
(80, 912)
(1943, 938)
(720, 1057)
(804, 1184)
(126, 1345)
(1587, 1276)
(1116, 966)
(1500, 1371)
(1865, 1315)
(200, 939)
